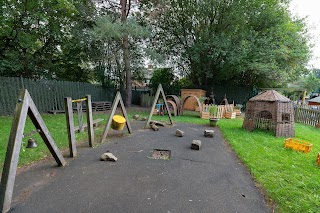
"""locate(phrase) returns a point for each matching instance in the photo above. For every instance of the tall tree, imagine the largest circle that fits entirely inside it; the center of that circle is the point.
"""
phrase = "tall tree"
(125, 8)
(252, 42)
(117, 28)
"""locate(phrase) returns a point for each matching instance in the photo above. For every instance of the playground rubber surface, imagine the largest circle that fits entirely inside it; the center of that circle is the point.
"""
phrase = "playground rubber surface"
(211, 179)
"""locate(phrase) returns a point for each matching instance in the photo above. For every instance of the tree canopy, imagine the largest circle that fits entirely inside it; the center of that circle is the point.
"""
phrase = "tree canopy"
(207, 42)
(245, 42)
(45, 38)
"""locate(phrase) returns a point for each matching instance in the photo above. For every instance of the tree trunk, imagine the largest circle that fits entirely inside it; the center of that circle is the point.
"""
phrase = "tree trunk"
(126, 59)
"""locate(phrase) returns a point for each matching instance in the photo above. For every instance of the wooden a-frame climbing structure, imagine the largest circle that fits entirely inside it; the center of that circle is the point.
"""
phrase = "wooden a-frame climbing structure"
(25, 107)
(159, 91)
(116, 101)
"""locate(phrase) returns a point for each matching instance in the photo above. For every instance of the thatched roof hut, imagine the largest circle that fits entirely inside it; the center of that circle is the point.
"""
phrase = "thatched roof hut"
(272, 111)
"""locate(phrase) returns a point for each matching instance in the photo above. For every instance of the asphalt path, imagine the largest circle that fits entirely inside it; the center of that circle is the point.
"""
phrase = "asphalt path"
(209, 180)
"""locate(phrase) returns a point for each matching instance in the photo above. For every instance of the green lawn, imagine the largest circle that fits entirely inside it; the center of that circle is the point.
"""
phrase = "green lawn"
(290, 179)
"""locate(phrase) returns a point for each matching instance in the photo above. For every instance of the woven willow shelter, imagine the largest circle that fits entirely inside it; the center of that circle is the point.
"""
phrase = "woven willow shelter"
(272, 111)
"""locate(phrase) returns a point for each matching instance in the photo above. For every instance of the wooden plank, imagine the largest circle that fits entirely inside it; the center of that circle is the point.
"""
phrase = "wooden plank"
(94, 122)
(89, 120)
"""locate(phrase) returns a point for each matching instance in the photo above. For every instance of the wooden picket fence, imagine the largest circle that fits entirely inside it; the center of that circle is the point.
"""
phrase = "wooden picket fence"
(307, 116)
(47, 94)
(221, 111)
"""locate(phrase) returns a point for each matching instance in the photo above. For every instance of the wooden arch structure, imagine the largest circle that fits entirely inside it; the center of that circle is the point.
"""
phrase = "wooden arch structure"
(197, 99)
(177, 101)
(174, 107)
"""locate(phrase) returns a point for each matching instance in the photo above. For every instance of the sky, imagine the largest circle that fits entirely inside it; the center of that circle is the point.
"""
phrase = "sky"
(310, 10)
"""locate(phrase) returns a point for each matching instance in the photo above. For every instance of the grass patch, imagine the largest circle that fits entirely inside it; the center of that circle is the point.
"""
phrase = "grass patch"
(290, 178)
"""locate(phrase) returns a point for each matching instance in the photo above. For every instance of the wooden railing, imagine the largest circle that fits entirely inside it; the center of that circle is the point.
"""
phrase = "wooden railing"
(307, 116)
(221, 111)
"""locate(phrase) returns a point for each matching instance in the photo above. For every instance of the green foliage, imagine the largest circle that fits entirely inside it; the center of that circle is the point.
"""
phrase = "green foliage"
(310, 82)
(108, 33)
(41, 38)
(163, 76)
(213, 109)
(236, 42)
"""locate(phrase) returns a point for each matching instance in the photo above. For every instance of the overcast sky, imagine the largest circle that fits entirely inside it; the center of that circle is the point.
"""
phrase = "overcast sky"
(310, 9)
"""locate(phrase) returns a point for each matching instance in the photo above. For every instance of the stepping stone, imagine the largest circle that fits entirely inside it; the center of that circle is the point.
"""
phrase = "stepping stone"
(108, 156)
(208, 133)
(179, 133)
(196, 144)
(143, 119)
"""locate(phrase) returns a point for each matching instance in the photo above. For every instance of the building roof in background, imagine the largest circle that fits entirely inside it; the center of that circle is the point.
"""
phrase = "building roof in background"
(270, 95)
(316, 100)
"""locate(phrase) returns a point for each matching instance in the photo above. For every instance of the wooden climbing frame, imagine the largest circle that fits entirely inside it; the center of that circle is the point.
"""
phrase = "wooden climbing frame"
(70, 123)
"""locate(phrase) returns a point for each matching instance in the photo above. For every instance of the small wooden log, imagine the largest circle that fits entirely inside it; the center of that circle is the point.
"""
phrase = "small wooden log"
(158, 123)
(154, 127)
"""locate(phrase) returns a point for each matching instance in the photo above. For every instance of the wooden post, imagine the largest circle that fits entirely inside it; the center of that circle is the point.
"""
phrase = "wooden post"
(70, 127)
(24, 107)
(304, 97)
(89, 120)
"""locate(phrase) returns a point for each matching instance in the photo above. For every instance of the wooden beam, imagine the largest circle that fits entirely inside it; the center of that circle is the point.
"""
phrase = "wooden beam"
(90, 120)
(70, 127)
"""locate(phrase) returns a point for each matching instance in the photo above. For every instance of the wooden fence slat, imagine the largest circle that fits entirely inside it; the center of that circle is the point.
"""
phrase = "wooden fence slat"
(48, 94)
(307, 116)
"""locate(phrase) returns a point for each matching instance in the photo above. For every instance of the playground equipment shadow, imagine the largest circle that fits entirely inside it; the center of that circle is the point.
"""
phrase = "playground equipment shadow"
(209, 180)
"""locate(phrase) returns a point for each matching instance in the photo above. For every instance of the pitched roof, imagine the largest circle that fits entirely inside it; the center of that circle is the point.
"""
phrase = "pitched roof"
(270, 95)
(317, 100)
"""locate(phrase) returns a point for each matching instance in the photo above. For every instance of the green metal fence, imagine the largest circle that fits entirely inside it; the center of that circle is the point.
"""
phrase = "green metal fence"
(48, 94)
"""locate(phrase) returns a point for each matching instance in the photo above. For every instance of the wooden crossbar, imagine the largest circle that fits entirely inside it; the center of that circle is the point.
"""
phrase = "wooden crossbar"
(84, 126)
(79, 100)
